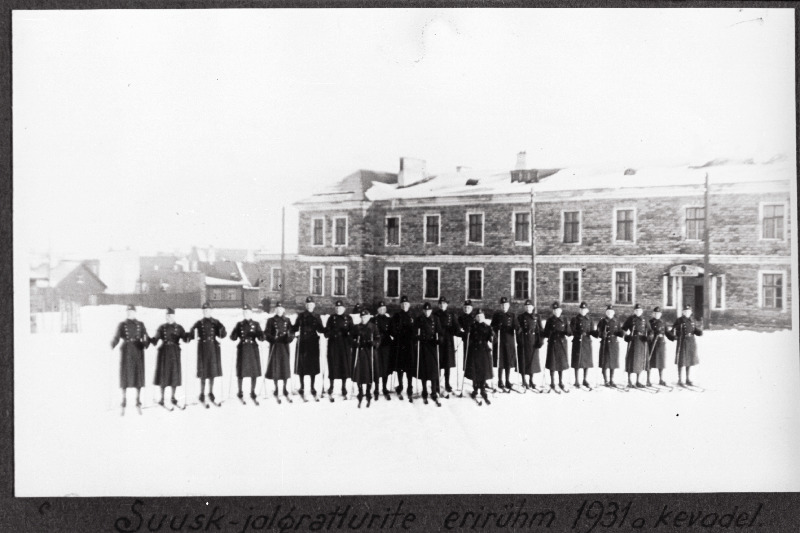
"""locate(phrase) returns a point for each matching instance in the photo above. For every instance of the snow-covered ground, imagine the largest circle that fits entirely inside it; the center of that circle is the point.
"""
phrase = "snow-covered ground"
(742, 434)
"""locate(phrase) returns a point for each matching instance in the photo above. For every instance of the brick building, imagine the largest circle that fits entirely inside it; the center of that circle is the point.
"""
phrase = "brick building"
(622, 236)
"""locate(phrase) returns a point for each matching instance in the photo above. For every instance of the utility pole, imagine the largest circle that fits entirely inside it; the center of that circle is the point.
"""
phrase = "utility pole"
(283, 254)
(533, 248)
(706, 271)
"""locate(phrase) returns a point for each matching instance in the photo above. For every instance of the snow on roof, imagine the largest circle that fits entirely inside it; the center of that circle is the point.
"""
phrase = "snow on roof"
(226, 282)
(351, 187)
(582, 178)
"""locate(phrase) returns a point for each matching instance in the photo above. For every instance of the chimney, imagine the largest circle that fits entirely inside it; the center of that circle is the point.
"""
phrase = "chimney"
(212, 255)
(521, 161)
(411, 171)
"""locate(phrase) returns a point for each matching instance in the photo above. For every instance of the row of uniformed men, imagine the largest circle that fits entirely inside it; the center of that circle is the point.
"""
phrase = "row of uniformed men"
(421, 347)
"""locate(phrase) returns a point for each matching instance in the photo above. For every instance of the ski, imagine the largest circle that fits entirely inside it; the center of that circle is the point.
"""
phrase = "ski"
(368, 402)
(478, 400)
(303, 396)
(486, 399)
(123, 411)
(386, 395)
(643, 389)
(139, 408)
(215, 402)
(359, 402)
(331, 398)
(241, 399)
(617, 388)
(512, 389)
(288, 399)
(693, 388)
(564, 389)
(425, 400)
(162, 404)
(255, 402)
(553, 389)
(438, 404)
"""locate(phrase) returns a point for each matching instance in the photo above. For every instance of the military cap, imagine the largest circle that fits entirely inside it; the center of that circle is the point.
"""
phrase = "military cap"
(442, 299)
(479, 311)
(364, 311)
(131, 307)
(245, 307)
(170, 311)
(206, 305)
(503, 300)
(609, 307)
(381, 304)
(356, 309)
(278, 304)
(403, 299)
(656, 309)
(556, 305)
(426, 306)
(637, 306)
(338, 303)
(584, 306)
(687, 306)
(528, 302)
(467, 302)
(309, 300)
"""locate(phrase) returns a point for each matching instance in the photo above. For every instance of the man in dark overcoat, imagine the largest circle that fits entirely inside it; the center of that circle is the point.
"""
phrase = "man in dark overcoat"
(168, 361)
(530, 338)
(384, 354)
(685, 329)
(278, 333)
(367, 339)
(658, 346)
(638, 335)
(307, 327)
(556, 330)
(338, 331)
(404, 346)
(582, 331)
(428, 334)
(609, 331)
(504, 352)
(465, 321)
(209, 360)
(447, 349)
(248, 357)
(134, 339)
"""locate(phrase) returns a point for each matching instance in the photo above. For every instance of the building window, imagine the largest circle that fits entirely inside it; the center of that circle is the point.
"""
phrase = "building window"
(392, 282)
(318, 232)
(475, 228)
(474, 283)
(432, 224)
(572, 227)
(624, 220)
(670, 291)
(772, 221)
(216, 294)
(522, 228)
(339, 281)
(430, 282)
(695, 223)
(623, 287)
(392, 231)
(232, 294)
(277, 279)
(316, 281)
(570, 286)
(340, 231)
(772, 290)
(521, 283)
(718, 292)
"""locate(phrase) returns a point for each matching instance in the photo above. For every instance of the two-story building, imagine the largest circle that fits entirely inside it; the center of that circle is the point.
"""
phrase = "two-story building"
(620, 236)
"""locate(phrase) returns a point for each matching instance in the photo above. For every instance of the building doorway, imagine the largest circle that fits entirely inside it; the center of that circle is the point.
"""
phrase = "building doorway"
(688, 280)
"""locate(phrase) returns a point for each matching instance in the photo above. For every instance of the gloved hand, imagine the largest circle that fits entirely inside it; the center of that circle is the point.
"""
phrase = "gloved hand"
(627, 338)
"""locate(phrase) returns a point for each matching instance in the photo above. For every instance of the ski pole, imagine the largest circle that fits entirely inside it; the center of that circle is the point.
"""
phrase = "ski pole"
(355, 365)
(464, 370)
(519, 369)
(297, 354)
(417, 375)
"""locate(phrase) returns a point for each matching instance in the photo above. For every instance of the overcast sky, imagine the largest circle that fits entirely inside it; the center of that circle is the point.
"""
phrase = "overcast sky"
(163, 129)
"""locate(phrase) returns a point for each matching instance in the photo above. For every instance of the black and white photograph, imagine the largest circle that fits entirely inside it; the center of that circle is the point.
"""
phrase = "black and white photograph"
(308, 252)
